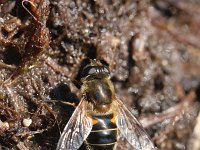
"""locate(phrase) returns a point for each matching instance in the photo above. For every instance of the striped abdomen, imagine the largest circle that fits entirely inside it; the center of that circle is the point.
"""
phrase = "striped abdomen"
(104, 133)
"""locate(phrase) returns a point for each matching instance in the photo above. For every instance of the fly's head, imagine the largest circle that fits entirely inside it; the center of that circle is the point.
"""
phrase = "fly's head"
(94, 70)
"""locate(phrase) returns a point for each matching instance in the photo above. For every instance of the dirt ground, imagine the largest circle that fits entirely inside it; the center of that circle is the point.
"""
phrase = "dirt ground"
(152, 48)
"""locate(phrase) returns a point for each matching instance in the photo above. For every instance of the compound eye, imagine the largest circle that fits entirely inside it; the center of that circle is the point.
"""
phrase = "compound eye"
(106, 70)
(88, 71)
(95, 70)
(92, 71)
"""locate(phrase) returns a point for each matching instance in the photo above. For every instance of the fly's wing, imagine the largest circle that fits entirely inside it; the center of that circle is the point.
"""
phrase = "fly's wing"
(131, 129)
(76, 130)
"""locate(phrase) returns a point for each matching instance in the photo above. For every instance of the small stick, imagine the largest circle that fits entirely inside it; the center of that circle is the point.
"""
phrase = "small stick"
(57, 68)
(172, 112)
(63, 102)
(194, 143)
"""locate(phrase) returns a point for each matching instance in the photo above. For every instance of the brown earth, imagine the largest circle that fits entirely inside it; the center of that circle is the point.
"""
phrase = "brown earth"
(151, 46)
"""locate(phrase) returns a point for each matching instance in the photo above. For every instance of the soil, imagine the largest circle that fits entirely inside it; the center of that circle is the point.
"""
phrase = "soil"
(152, 48)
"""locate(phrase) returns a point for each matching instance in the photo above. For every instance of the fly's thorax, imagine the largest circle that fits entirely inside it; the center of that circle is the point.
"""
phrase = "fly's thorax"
(100, 93)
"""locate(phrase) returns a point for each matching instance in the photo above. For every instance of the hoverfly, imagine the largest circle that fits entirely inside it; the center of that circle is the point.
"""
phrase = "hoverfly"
(101, 119)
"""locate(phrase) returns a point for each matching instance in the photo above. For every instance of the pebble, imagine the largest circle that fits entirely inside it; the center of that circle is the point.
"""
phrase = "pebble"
(27, 122)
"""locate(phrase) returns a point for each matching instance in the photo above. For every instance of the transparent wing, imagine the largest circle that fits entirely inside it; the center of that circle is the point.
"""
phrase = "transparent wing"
(131, 129)
(76, 130)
